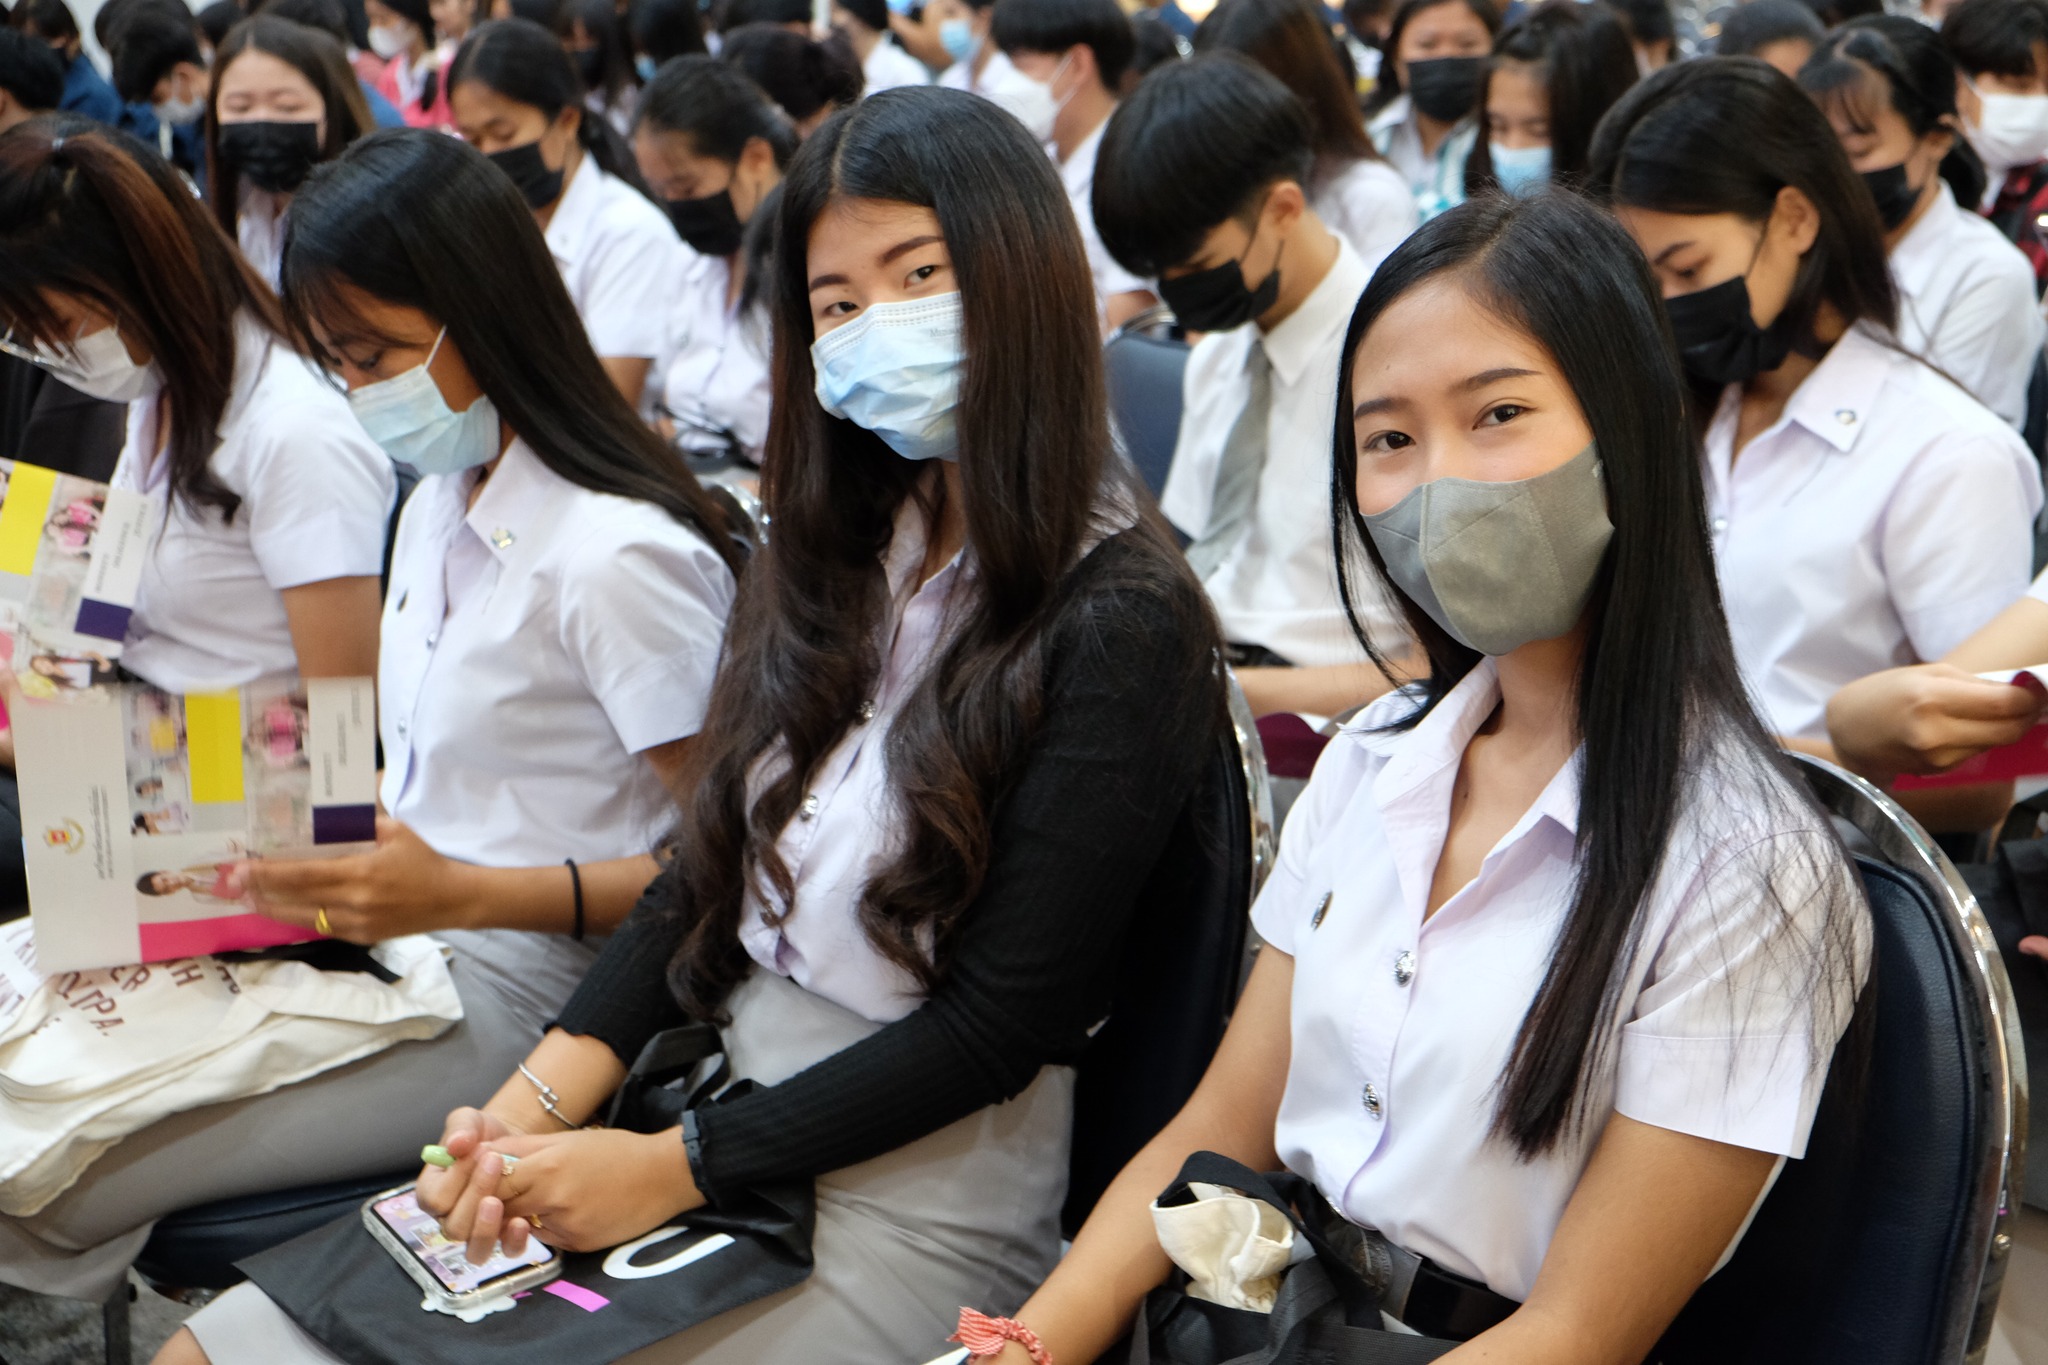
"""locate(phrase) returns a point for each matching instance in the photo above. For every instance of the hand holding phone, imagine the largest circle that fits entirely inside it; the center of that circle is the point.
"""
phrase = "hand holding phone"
(441, 1266)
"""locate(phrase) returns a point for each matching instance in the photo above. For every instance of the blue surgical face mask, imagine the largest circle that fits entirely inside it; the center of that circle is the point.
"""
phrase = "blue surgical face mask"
(895, 370)
(957, 37)
(1521, 170)
(645, 66)
(407, 415)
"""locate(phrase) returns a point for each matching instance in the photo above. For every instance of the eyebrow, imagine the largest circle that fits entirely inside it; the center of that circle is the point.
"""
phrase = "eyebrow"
(1668, 251)
(900, 249)
(1477, 381)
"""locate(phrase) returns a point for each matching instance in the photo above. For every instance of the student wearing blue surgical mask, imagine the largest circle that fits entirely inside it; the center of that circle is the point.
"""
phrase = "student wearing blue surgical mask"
(963, 28)
(559, 590)
(967, 692)
(1553, 73)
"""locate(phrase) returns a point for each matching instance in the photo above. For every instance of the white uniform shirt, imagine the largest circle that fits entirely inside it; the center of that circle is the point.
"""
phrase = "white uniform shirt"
(1077, 173)
(1966, 303)
(1278, 586)
(1882, 520)
(1402, 1026)
(717, 380)
(1369, 205)
(259, 230)
(620, 257)
(960, 75)
(532, 646)
(1437, 180)
(889, 66)
(316, 494)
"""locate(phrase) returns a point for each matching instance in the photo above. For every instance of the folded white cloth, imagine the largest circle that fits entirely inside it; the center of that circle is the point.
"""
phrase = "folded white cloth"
(1233, 1247)
(87, 1058)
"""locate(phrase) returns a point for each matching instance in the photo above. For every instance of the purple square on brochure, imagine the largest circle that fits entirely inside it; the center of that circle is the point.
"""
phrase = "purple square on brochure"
(103, 620)
(344, 824)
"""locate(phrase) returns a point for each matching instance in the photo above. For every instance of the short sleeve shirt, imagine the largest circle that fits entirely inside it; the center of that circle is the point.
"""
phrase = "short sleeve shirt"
(621, 259)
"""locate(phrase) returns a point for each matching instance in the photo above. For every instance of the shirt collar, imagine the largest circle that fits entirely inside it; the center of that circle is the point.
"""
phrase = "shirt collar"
(1837, 399)
(1306, 336)
(1393, 116)
(1438, 741)
(1077, 172)
(1921, 248)
(513, 500)
(577, 211)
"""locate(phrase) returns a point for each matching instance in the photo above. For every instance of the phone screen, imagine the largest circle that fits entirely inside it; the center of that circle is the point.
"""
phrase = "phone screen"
(421, 1235)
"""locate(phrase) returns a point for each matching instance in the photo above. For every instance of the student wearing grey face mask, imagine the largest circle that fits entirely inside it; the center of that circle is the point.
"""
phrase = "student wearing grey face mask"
(1479, 1023)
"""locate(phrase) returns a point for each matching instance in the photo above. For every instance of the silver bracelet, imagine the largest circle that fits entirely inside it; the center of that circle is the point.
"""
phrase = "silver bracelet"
(544, 1093)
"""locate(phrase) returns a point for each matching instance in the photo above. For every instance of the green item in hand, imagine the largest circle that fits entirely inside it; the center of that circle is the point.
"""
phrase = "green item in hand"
(436, 1155)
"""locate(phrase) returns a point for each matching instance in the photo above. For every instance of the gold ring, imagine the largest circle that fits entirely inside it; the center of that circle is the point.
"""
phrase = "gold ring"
(320, 922)
(534, 1219)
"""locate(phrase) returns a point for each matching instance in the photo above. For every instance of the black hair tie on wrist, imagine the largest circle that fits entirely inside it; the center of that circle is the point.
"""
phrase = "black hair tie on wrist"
(576, 884)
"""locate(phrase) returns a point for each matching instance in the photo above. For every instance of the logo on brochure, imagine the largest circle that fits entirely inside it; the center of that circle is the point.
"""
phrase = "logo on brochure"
(69, 836)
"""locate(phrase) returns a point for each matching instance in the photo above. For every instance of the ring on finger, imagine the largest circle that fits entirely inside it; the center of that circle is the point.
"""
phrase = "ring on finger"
(322, 923)
(506, 1165)
(534, 1219)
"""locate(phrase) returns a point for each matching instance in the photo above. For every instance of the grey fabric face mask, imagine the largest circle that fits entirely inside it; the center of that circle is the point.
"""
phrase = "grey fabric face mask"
(1500, 564)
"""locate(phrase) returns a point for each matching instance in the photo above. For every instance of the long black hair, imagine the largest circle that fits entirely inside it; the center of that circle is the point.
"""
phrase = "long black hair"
(1389, 85)
(92, 213)
(1724, 136)
(605, 27)
(1659, 695)
(404, 216)
(1293, 40)
(1587, 63)
(1888, 58)
(1035, 459)
(525, 63)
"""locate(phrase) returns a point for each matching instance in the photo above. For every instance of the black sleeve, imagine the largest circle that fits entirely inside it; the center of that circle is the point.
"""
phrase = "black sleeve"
(624, 999)
(1102, 785)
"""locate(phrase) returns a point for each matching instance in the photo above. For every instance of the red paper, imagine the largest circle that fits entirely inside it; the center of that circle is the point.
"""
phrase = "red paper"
(2026, 756)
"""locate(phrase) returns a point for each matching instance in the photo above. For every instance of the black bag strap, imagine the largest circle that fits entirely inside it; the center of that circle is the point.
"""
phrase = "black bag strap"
(643, 1101)
(1304, 1207)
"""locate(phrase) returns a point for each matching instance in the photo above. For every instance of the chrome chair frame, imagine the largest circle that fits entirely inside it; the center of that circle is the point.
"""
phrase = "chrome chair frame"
(1257, 782)
(1899, 841)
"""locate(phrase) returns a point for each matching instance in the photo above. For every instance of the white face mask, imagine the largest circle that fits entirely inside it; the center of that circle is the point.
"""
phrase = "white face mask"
(1031, 102)
(409, 418)
(177, 112)
(895, 370)
(2013, 132)
(97, 365)
(387, 42)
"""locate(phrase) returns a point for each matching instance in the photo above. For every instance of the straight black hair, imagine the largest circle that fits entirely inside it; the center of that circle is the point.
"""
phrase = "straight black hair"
(717, 107)
(1650, 21)
(1587, 64)
(216, 19)
(404, 216)
(1997, 36)
(326, 15)
(1888, 58)
(1659, 696)
(91, 213)
(1292, 39)
(605, 27)
(666, 29)
(1389, 85)
(1101, 26)
(50, 20)
(525, 63)
(1760, 23)
(1833, 13)
(552, 15)
(314, 55)
(1724, 136)
(872, 15)
(1035, 459)
(801, 73)
(147, 45)
(740, 13)
(1199, 143)
(31, 72)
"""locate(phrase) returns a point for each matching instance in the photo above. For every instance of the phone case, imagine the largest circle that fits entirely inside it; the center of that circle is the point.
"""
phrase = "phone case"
(532, 1277)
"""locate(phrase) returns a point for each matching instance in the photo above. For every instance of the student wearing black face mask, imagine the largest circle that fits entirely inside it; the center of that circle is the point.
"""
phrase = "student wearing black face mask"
(1428, 93)
(1865, 511)
(713, 146)
(1966, 294)
(283, 100)
(1200, 185)
(517, 99)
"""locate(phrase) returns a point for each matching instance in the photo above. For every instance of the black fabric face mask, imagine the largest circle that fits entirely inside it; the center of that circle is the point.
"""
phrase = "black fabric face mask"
(274, 156)
(589, 65)
(708, 223)
(1446, 88)
(1895, 198)
(1719, 340)
(536, 182)
(1217, 299)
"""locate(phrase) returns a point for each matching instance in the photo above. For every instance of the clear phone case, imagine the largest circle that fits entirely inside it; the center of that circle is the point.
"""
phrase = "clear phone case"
(439, 1266)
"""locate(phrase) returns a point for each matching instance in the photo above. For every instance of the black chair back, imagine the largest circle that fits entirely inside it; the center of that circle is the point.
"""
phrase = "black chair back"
(1143, 370)
(1179, 976)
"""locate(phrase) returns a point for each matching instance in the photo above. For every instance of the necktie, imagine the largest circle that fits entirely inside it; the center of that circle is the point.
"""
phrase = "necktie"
(1237, 473)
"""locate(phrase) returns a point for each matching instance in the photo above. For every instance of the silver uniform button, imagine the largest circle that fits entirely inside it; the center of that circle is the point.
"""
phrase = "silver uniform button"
(867, 712)
(1404, 967)
(1720, 525)
(502, 538)
(1846, 416)
(809, 808)
(401, 729)
(1322, 909)
(1374, 1105)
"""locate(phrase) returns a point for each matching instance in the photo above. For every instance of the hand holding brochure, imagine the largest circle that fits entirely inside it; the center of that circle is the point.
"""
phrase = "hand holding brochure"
(137, 804)
(71, 554)
(2026, 756)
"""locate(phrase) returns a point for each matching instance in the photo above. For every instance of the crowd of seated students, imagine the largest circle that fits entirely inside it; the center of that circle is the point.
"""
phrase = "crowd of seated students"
(1575, 419)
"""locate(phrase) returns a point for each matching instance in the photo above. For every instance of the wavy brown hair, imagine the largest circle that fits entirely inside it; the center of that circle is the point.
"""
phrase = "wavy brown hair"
(1035, 457)
(93, 214)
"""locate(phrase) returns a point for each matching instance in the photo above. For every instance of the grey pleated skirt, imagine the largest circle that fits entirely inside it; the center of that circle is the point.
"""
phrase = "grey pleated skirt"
(967, 1215)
